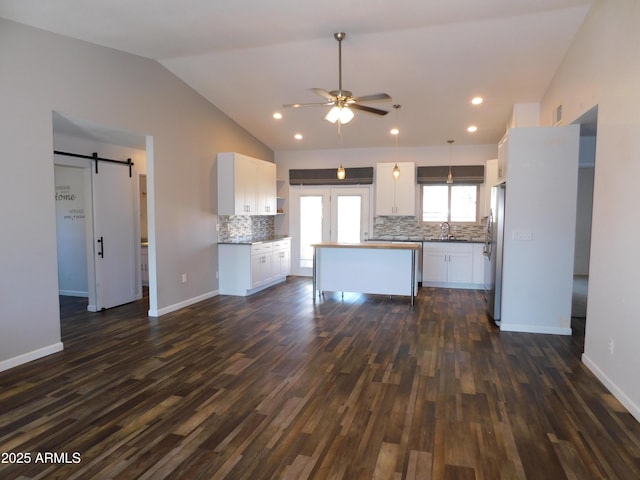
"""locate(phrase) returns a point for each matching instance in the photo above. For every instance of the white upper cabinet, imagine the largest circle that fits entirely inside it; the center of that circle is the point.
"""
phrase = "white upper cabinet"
(246, 185)
(396, 196)
(266, 192)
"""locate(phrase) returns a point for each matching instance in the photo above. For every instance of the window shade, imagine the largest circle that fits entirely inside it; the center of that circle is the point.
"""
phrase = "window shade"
(462, 175)
(327, 176)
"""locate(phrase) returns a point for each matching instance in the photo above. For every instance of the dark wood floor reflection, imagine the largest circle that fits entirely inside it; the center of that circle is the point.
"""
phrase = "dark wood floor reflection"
(276, 386)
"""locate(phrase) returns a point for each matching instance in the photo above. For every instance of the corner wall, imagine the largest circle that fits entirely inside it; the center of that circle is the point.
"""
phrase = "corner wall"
(601, 68)
(43, 72)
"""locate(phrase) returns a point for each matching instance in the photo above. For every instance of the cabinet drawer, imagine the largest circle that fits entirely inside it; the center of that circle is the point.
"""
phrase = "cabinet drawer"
(281, 244)
(261, 248)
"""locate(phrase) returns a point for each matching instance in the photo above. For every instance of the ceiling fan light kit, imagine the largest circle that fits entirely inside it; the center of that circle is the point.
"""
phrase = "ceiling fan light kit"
(342, 101)
(341, 114)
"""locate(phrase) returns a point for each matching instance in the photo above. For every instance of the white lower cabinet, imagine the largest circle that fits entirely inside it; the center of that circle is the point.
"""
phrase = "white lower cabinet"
(246, 269)
(281, 258)
(451, 265)
(261, 264)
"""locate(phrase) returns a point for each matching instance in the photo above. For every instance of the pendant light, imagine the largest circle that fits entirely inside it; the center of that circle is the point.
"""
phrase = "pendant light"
(341, 173)
(449, 176)
(396, 132)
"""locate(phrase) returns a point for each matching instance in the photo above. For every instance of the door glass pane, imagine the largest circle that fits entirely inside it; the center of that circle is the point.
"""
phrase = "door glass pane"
(310, 227)
(348, 221)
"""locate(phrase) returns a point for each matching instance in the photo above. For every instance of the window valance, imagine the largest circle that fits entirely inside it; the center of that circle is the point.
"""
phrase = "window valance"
(462, 175)
(327, 176)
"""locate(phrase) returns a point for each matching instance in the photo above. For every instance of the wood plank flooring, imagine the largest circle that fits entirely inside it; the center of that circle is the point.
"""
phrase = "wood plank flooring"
(275, 386)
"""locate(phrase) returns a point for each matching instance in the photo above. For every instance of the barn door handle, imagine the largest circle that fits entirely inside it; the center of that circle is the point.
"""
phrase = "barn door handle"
(101, 242)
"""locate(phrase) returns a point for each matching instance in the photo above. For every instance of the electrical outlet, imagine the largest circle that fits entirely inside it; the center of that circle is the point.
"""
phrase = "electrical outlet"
(184, 278)
(611, 346)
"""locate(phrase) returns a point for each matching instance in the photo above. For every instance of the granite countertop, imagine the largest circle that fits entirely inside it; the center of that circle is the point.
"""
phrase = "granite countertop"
(252, 240)
(426, 239)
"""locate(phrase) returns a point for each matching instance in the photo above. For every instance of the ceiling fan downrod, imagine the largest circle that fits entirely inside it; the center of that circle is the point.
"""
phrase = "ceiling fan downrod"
(339, 36)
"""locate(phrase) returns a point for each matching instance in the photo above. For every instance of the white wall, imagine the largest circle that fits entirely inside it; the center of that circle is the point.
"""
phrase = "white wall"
(43, 72)
(602, 68)
(539, 235)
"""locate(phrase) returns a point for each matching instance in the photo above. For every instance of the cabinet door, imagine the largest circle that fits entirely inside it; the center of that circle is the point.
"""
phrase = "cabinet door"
(385, 189)
(434, 265)
(245, 186)
(261, 269)
(395, 196)
(266, 188)
(459, 267)
(406, 190)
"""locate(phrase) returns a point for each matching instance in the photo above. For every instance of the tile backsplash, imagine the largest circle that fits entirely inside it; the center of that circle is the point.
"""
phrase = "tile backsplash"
(410, 227)
(239, 227)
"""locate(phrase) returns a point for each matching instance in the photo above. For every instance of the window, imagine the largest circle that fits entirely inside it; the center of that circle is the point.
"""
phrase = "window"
(450, 203)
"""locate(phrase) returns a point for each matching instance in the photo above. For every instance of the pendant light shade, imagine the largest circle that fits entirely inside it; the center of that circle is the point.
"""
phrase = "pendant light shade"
(341, 173)
(449, 175)
(396, 172)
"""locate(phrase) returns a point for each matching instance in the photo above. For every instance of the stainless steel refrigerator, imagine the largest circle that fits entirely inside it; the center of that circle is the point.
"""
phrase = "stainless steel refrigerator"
(493, 250)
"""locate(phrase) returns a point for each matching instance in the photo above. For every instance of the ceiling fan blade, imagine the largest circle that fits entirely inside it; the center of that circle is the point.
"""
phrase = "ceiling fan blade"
(364, 108)
(377, 97)
(298, 105)
(323, 93)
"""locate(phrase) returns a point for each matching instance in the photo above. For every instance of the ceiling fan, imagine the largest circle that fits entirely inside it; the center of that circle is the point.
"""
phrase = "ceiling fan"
(343, 100)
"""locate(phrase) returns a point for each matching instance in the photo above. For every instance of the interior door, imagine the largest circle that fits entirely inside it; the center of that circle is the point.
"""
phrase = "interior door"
(114, 235)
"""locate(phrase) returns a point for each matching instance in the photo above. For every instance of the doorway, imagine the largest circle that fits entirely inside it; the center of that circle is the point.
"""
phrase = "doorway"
(330, 214)
(109, 193)
(588, 136)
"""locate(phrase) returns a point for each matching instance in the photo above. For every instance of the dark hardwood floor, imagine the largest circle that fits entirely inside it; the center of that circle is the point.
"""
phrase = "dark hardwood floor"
(275, 386)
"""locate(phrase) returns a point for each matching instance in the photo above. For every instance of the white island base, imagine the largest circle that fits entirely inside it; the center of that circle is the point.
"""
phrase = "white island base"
(378, 268)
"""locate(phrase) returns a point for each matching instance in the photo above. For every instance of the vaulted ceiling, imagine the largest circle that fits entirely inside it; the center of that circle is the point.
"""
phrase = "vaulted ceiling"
(249, 57)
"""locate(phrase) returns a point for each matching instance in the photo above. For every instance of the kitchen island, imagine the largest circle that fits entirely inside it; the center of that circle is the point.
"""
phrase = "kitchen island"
(376, 268)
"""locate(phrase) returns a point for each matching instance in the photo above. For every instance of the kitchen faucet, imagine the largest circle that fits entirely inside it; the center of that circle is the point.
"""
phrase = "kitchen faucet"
(445, 230)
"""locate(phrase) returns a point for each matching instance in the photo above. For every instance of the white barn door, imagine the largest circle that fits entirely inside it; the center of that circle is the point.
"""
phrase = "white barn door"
(115, 243)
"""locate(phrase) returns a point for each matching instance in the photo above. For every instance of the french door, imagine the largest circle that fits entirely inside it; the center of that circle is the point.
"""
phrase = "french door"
(336, 214)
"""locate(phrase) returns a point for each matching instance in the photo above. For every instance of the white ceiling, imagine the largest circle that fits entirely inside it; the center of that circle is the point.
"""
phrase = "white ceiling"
(248, 57)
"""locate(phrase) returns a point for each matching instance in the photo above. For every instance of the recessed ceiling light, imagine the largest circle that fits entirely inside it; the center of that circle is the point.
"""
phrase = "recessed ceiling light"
(394, 131)
(298, 136)
(477, 100)
(277, 115)
(472, 128)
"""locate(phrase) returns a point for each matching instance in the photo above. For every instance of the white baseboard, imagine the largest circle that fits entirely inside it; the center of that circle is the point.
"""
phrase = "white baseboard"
(511, 327)
(183, 304)
(30, 356)
(73, 293)
(613, 388)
